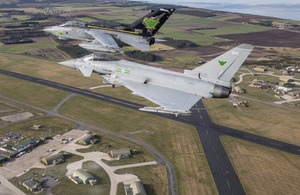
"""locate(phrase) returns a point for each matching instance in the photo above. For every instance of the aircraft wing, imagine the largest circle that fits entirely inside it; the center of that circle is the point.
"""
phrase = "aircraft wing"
(103, 38)
(169, 99)
(135, 41)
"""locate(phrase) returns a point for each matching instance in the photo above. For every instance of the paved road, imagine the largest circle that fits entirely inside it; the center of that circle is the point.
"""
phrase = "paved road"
(223, 172)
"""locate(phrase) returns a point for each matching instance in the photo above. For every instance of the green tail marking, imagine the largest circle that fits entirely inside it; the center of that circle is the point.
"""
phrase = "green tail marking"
(222, 63)
(150, 23)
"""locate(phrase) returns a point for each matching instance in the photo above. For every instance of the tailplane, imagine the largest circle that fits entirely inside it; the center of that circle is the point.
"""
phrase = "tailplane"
(152, 22)
(224, 67)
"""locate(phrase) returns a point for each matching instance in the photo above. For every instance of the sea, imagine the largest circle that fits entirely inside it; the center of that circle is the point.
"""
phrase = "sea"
(288, 9)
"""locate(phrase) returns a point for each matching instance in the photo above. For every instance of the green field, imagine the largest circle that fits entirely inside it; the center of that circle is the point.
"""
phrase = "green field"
(233, 29)
(117, 17)
(200, 21)
(190, 62)
(22, 48)
(191, 36)
(86, 19)
(21, 17)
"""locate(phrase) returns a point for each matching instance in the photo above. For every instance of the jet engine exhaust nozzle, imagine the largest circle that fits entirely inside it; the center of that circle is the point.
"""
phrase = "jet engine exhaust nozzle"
(221, 91)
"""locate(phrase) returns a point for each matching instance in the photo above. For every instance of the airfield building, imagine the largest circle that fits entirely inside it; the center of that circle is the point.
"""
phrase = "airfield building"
(31, 185)
(238, 89)
(136, 188)
(120, 154)
(88, 139)
(26, 144)
(260, 69)
(285, 79)
(81, 176)
(53, 159)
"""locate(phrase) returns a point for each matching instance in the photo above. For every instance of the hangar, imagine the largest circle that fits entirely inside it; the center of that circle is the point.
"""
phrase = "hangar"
(81, 176)
(88, 139)
(119, 154)
(53, 159)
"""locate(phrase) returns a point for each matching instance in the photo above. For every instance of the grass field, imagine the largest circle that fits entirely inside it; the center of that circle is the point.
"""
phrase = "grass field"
(187, 21)
(22, 48)
(21, 17)
(258, 118)
(23, 108)
(153, 177)
(263, 170)
(189, 62)
(191, 36)
(58, 171)
(120, 18)
(48, 70)
(86, 19)
(123, 93)
(233, 29)
(178, 142)
(32, 93)
(57, 126)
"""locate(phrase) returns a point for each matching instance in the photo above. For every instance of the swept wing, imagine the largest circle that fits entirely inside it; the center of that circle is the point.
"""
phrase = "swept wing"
(103, 38)
(168, 99)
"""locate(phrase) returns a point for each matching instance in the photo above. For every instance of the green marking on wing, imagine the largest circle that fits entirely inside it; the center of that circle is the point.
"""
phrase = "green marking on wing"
(222, 63)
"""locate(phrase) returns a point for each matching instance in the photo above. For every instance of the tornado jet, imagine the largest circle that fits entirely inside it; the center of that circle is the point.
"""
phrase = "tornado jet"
(174, 92)
(139, 34)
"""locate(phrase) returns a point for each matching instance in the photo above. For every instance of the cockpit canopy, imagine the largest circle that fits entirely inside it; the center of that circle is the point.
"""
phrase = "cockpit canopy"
(100, 57)
(74, 24)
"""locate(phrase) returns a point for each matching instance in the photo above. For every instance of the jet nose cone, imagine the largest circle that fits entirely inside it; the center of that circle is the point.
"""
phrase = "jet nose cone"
(69, 63)
(48, 30)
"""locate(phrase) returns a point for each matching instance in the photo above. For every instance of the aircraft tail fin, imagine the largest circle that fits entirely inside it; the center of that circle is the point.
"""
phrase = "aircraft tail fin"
(225, 66)
(152, 22)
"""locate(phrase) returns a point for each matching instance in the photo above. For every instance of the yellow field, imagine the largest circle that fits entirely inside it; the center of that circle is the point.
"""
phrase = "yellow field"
(263, 170)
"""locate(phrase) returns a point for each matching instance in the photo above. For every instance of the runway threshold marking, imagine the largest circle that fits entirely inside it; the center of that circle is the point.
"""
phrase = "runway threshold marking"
(206, 131)
(228, 183)
(275, 144)
(201, 117)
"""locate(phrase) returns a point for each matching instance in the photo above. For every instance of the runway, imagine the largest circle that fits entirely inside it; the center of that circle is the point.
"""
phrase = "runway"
(225, 177)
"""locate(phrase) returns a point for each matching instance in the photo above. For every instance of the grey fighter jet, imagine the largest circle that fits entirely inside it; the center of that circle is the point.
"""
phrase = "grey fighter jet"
(139, 34)
(174, 92)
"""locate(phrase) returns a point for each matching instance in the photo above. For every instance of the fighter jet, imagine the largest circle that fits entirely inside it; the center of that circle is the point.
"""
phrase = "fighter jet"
(139, 34)
(174, 92)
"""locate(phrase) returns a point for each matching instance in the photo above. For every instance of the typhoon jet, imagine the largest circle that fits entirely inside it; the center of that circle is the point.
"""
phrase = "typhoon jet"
(174, 92)
(139, 34)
